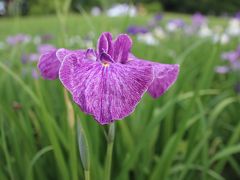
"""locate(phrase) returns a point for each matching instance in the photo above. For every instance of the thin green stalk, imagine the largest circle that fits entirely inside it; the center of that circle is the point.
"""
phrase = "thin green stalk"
(87, 174)
(108, 161)
(83, 150)
(71, 123)
(205, 141)
(6, 153)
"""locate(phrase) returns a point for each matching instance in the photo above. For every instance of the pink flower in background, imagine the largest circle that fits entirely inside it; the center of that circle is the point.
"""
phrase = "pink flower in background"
(18, 39)
(134, 30)
(233, 58)
(198, 20)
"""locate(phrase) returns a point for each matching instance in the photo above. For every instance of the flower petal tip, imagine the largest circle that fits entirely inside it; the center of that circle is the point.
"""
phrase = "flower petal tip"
(49, 65)
(165, 76)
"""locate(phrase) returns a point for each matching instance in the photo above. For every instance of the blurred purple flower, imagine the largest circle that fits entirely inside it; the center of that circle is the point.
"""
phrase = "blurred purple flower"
(44, 48)
(134, 30)
(222, 69)
(24, 58)
(108, 83)
(233, 57)
(235, 65)
(230, 56)
(198, 20)
(153, 22)
(18, 39)
(158, 17)
(34, 57)
(46, 37)
(175, 24)
(35, 73)
(237, 15)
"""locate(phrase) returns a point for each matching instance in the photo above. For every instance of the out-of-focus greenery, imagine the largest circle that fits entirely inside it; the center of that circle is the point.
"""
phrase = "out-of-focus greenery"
(205, 6)
(215, 7)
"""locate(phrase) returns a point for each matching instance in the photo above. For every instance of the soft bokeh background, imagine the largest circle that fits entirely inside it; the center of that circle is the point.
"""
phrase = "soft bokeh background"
(191, 132)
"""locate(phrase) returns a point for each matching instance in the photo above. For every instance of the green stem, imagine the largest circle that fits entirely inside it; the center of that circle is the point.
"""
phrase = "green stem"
(84, 150)
(87, 174)
(108, 161)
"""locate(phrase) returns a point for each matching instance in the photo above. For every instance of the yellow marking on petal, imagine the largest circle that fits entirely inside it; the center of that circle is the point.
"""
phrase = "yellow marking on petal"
(105, 64)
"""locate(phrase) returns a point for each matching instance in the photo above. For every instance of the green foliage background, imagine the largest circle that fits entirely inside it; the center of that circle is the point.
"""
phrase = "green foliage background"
(216, 7)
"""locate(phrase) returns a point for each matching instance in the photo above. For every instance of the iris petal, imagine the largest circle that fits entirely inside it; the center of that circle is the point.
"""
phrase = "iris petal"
(102, 44)
(105, 44)
(110, 44)
(106, 58)
(61, 53)
(164, 75)
(122, 47)
(108, 93)
(91, 54)
(49, 65)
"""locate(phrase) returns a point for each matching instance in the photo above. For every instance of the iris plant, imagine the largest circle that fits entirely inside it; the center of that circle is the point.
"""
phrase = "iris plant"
(233, 57)
(108, 82)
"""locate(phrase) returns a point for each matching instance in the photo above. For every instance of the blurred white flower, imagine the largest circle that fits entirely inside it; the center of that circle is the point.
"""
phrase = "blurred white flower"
(122, 10)
(221, 38)
(95, 11)
(205, 31)
(159, 33)
(233, 28)
(147, 38)
(218, 29)
(74, 41)
(37, 40)
(174, 25)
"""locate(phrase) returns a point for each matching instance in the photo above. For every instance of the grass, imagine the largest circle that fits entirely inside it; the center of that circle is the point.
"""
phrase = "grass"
(192, 131)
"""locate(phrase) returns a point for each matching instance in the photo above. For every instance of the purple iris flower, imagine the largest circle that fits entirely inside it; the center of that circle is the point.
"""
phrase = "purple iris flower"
(222, 69)
(177, 22)
(24, 58)
(232, 56)
(235, 65)
(134, 30)
(237, 15)
(198, 20)
(35, 73)
(109, 82)
(18, 39)
(34, 57)
(153, 22)
(46, 37)
(44, 48)
(158, 17)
